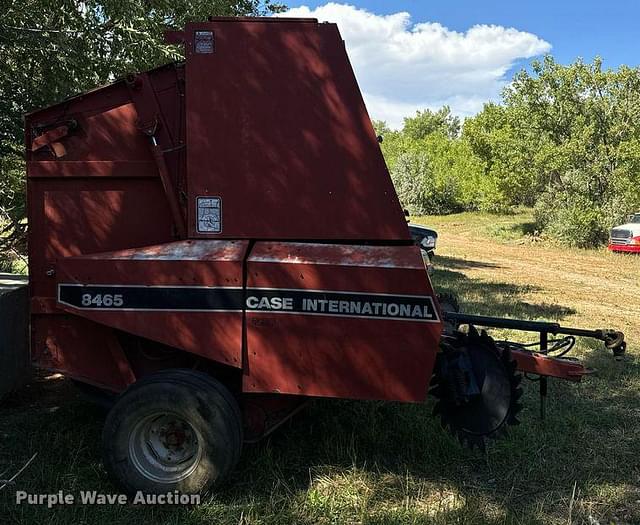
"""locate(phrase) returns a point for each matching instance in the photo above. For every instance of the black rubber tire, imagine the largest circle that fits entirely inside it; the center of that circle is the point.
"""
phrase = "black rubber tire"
(206, 381)
(207, 406)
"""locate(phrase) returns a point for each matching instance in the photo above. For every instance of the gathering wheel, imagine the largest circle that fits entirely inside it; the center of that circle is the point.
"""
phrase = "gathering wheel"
(476, 386)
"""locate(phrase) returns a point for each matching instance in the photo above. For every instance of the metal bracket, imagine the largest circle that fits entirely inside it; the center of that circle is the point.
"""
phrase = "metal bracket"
(150, 122)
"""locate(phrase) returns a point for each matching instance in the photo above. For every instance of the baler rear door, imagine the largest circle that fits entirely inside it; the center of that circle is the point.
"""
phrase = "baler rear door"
(280, 145)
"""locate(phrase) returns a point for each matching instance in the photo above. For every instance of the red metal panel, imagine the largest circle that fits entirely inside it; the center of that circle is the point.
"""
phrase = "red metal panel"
(548, 366)
(69, 217)
(99, 191)
(334, 356)
(105, 193)
(95, 168)
(277, 128)
(81, 349)
(213, 335)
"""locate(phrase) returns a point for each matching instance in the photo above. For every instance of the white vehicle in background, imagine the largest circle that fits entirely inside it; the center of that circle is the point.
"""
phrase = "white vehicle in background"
(626, 238)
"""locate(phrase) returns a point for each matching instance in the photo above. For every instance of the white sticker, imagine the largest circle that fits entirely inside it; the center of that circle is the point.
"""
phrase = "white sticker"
(209, 214)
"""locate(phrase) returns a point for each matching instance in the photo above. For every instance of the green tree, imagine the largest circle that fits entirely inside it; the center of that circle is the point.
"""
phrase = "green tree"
(566, 139)
(426, 122)
(50, 50)
(433, 169)
(499, 139)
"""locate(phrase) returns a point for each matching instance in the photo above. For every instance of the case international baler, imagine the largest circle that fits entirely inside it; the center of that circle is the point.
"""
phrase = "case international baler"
(214, 242)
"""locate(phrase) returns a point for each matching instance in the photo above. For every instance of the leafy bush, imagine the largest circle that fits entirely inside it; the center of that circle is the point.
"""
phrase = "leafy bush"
(436, 175)
(410, 176)
(570, 219)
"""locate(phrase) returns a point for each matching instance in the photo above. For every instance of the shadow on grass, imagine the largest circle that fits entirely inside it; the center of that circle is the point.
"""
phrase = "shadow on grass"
(499, 299)
(513, 231)
(455, 263)
(526, 228)
(522, 228)
(343, 461)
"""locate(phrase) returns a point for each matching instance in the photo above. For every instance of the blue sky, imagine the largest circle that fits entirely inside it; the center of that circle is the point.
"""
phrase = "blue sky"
(463, 52)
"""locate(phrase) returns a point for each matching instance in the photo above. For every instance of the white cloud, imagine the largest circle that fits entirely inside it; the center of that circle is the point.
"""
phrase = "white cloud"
(402, 67)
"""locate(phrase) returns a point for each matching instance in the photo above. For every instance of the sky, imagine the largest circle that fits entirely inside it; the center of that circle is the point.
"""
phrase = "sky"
(415, 54)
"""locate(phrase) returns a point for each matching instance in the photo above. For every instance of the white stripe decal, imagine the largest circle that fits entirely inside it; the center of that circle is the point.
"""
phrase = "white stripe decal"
(363, 305)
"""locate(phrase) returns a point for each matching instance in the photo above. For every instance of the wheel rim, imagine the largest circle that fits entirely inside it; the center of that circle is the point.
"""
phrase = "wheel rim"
(165, 448)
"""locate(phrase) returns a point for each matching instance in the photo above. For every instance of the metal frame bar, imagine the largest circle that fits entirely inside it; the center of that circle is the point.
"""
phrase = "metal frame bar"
(525, 326)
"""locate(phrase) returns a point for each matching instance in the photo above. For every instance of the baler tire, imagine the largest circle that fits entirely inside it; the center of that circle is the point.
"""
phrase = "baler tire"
(196, 408)
(191, 377)
(206, 381)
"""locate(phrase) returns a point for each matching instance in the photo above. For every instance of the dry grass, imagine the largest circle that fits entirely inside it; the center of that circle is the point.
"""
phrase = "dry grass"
(384, 463)
(578, 287)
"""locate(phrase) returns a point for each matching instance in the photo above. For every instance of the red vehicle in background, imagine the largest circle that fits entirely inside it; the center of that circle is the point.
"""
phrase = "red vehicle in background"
(626, 238)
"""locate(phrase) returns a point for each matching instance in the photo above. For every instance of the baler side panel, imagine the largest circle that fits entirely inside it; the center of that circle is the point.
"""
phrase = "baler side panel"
(99, 188)
(71, 217)
(339, 355)
(151, 282)
(277, 129)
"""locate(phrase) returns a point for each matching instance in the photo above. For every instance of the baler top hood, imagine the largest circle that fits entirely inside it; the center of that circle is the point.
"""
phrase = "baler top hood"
(263, 132)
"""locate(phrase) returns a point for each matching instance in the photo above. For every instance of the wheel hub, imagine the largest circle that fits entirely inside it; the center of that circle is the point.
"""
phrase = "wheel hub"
(164, 448)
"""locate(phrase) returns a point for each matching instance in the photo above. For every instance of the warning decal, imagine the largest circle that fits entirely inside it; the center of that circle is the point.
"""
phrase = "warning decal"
(203, 42)
(209, 214)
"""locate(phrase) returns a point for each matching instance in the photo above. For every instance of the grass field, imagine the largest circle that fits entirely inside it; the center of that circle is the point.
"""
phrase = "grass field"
(355, 462)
